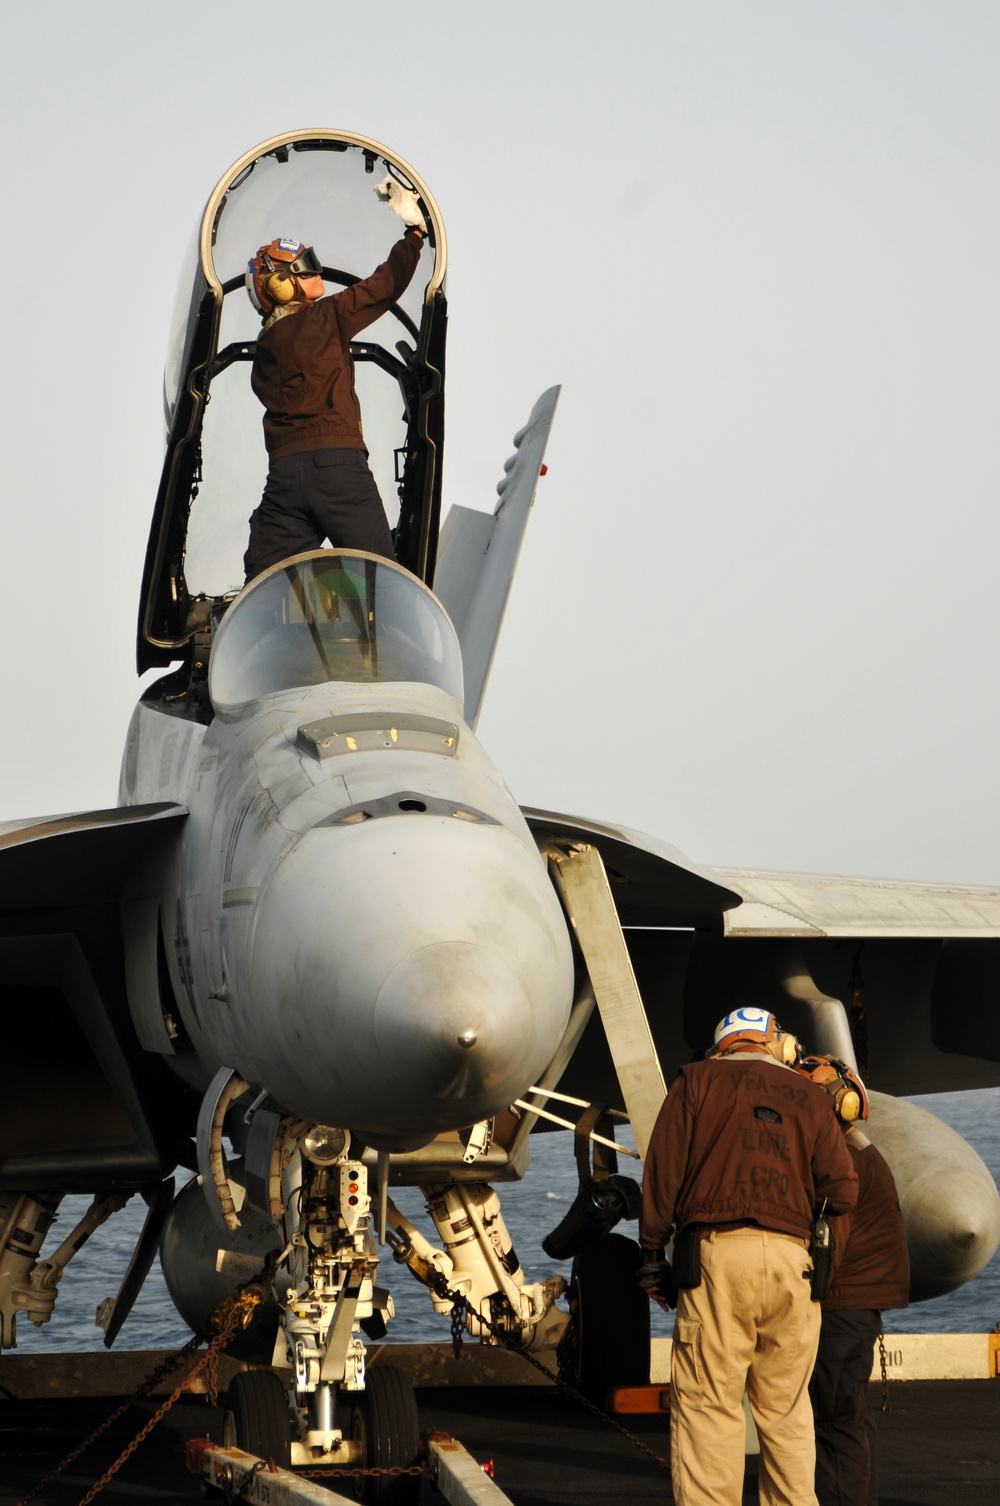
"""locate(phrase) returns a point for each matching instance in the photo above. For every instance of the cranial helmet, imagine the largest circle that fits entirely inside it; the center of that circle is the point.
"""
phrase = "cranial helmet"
(755, 1027)
(271, 273)
(850, 1098)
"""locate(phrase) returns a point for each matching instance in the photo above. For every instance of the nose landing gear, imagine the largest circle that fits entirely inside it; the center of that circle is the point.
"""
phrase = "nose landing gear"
(333, 1414)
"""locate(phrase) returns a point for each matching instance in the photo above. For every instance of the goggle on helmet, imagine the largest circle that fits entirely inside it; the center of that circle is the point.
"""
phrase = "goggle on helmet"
(269, 273)
(850, 1097)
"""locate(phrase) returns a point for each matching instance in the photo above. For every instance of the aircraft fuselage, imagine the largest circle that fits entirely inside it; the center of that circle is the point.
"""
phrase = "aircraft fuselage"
(356, 917)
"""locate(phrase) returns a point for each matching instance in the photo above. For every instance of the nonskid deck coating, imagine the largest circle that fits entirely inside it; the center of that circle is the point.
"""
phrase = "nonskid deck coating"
(939, 1444)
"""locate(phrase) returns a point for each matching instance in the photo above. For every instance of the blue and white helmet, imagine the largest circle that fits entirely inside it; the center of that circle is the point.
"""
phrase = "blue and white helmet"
(755, 1027)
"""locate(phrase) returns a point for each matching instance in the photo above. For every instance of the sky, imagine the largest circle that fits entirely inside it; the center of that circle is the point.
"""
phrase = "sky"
(755, 613)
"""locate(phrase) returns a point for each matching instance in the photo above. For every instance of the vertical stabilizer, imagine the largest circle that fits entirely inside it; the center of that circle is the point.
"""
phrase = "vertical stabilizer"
(478, 554)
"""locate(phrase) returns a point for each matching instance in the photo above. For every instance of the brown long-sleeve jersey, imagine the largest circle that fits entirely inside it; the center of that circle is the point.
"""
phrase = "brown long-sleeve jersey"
(871, 1266)
(302, 370)
(744, 1139)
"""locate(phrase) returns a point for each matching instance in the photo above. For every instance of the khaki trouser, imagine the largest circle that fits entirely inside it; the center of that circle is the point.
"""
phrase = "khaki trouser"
(751, 1325)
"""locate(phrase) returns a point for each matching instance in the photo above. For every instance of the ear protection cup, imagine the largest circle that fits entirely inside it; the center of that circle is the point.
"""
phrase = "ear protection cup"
(281, 287)
(789, 1048)
(850, 1100)
(784, 1048)
(271, 274)
(848, 1105)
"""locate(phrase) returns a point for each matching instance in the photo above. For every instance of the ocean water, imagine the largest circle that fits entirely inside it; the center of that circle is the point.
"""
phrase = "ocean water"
(531, 1209)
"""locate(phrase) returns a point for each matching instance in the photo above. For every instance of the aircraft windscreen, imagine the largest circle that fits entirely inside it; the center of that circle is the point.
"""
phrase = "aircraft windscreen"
(332, 617)
(323, 195)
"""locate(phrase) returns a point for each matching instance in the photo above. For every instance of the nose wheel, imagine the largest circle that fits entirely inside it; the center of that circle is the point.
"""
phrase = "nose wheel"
(385, 1423)
(257, 1419)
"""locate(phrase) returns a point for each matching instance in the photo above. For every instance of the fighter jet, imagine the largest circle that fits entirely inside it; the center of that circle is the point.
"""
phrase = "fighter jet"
(318, 951)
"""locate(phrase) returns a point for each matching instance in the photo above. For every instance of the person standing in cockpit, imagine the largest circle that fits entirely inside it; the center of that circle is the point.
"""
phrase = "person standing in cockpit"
(319, 485)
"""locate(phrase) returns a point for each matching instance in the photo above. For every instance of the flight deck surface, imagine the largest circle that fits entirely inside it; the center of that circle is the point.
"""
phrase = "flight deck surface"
(940, 1443)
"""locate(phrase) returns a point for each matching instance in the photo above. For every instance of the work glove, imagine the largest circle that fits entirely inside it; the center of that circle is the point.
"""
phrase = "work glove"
(402, 201)
(657, 1279)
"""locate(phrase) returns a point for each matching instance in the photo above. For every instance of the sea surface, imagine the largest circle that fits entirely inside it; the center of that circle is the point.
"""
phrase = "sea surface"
(531, 1209)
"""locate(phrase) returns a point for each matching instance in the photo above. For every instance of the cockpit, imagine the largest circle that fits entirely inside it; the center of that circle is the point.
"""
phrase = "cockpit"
(331, 616)
(317, 187)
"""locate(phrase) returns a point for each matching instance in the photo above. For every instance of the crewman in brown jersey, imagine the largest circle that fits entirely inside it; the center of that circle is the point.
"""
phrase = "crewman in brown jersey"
(743, 1153)
(319, 485)
(871, 1271)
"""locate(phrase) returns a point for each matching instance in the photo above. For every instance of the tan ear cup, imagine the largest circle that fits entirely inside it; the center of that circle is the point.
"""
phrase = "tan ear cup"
(281, 287)
(786, 1049)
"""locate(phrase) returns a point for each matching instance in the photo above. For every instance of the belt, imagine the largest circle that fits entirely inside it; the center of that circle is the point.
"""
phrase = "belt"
(738, 1225)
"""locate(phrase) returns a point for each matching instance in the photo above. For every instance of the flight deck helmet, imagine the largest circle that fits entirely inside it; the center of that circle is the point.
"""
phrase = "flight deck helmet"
(272, 272)
(850, 1097)
(754, 1027)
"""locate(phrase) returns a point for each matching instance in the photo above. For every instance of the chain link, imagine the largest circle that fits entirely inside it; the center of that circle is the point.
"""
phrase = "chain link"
(439, 1284)
(886, 1404)
(230, 1316)
(389, 1469)
(246, 1477)
(148, 1385)
(212, 1379)
(237, 1313)
(458, 1312)
(585, 1401)
(234, 1314)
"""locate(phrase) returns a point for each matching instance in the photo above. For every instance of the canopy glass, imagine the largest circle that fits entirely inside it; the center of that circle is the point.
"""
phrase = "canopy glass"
(331, 616)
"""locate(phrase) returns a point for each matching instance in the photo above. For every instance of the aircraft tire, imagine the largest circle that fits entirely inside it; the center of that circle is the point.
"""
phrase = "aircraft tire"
(257, 1418)
(607, 1342)
(386, 1423)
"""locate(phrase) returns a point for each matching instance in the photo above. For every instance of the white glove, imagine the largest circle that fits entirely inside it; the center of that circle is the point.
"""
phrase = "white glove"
(402, 201)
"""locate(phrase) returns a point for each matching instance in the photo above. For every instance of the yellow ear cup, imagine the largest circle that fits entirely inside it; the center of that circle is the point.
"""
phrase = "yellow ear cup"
(281, 287)
(848, 1104)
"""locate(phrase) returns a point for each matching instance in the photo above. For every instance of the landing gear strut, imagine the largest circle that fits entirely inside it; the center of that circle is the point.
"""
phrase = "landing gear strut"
(324, 1410)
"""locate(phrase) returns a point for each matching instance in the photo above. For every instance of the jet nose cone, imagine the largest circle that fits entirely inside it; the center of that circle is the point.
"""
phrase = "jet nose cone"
(454, 1018)
(405, 976)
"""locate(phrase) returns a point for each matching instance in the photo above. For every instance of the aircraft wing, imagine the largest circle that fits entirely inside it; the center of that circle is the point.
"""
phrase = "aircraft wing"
(478, 554)
(85, 1106)
(79, 858)
(653, 884)
(903, 972)
(806, 904)
(917, 964)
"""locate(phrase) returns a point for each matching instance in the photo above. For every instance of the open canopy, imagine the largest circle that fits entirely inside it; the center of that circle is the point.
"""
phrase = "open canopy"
(318, 187)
